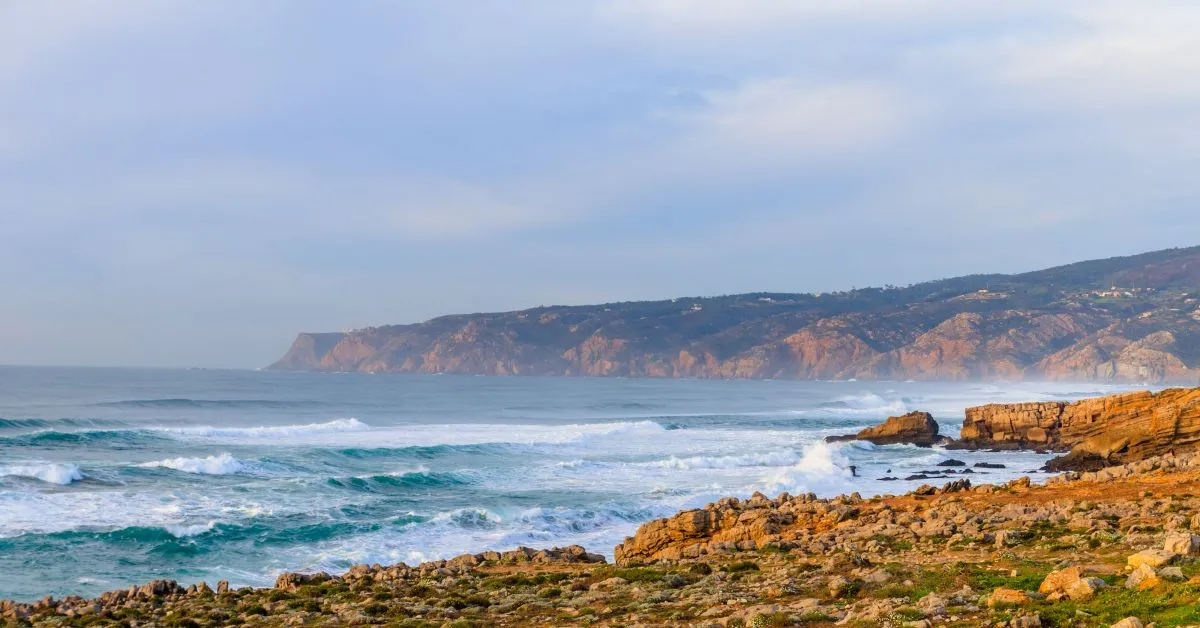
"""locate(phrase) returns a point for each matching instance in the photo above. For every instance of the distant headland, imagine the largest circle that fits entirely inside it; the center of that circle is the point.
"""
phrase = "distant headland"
(1124, 319)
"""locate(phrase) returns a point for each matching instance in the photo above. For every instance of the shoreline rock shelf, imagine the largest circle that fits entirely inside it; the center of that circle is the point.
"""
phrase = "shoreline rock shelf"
(1094, 433)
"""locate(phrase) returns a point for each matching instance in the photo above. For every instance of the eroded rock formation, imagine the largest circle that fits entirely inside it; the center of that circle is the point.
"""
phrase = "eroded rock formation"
(914, 428)
(1094, 432)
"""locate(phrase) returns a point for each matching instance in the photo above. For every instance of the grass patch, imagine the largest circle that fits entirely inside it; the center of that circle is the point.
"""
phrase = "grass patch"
(741, 567)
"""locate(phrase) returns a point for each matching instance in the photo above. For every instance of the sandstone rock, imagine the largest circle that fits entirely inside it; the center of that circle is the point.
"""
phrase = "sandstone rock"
(293, 581)
(1026, 621)
(1172, 574)
(1152, 558)
(933, 605)
(611, 583)
(916, 428)
(1143, 578)
(1070, 583)
(1185, 544)
(1008, 597)
(838, 586)
(1085, 589)
(1096, 432)
(1129, 622)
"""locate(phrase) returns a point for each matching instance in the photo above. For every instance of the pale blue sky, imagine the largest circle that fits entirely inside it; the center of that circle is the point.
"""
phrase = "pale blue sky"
(191, 183)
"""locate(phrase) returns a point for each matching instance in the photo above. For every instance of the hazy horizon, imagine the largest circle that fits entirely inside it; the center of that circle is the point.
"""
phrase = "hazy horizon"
(190, 184)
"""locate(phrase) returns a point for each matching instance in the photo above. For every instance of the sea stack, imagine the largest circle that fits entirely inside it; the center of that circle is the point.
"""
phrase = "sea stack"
(914, 428)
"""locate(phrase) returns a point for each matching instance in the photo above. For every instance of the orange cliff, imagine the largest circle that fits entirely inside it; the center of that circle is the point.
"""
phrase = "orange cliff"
(1097, 432)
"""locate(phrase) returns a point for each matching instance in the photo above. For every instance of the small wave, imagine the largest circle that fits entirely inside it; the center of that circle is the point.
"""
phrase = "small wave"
(29, 424)
(769, 459)
(384, 483)
(223, 464)
(865, 405)
(207, 403)
(51, 472)
(185, 531)
(270, 431)
(55, 438)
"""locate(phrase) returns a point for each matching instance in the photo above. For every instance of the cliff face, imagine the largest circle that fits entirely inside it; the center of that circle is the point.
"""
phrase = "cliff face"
(1065, 323)
(1096, 432)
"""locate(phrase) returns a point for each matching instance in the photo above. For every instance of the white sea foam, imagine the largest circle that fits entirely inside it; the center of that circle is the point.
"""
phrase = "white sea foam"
(51, 472)
(222, 464)
(103, 510)
(354, 433)
(183, 531)
(821, 469)
(768, 459)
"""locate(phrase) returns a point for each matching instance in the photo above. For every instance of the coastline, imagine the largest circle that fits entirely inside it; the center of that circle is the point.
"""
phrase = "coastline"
(959, 555)
(1117, 537)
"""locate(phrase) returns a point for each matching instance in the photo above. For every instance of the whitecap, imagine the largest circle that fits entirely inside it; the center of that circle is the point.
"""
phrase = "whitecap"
(268, 431)
(768, 459)
(223, 464)
(182, 531)
(51, 472)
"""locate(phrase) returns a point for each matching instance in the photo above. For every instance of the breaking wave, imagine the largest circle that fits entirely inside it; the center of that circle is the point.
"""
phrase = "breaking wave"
(223, 464)
(51, 472)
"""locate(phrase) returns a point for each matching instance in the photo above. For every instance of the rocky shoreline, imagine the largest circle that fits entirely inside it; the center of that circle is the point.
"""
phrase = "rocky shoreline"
(1117, 545)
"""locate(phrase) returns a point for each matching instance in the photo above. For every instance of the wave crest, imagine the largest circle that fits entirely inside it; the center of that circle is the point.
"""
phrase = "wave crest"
(269, 431)
(50, 472)
(222, 464)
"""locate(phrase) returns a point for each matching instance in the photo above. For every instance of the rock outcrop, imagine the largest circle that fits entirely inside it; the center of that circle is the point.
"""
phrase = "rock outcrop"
(1064, 324)
(914, 428)
(1094, 433)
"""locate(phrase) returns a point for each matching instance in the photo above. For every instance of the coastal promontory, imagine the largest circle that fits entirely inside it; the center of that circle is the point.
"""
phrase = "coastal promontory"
(1131, 319)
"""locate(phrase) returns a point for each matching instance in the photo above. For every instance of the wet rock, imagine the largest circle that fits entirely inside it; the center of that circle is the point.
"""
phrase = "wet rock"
(952, 463)
(989, 465)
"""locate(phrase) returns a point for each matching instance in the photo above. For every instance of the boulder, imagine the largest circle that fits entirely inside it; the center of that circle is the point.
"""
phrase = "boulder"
(1008, 597)
(914, 428)
(1085, 589)
(1185, 544)
(1152, 558)
(1026, 621)
(1142, 578)
(1129, 622)
(1059, 581)
(1070, 583)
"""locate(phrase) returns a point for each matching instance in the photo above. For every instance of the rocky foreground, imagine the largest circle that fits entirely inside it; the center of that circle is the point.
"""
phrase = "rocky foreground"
(1114, 546)
(1120, 546)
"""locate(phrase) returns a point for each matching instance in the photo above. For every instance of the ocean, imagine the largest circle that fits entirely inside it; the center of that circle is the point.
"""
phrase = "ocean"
(111, 477)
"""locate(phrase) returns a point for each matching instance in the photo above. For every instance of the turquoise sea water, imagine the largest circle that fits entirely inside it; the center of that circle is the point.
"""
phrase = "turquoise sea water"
(110, 477)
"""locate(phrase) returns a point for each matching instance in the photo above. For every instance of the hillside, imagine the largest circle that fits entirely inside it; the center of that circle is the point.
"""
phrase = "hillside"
(1131, 319)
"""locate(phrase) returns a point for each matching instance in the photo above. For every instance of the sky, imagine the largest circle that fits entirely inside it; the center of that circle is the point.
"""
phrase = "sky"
(192, 183)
